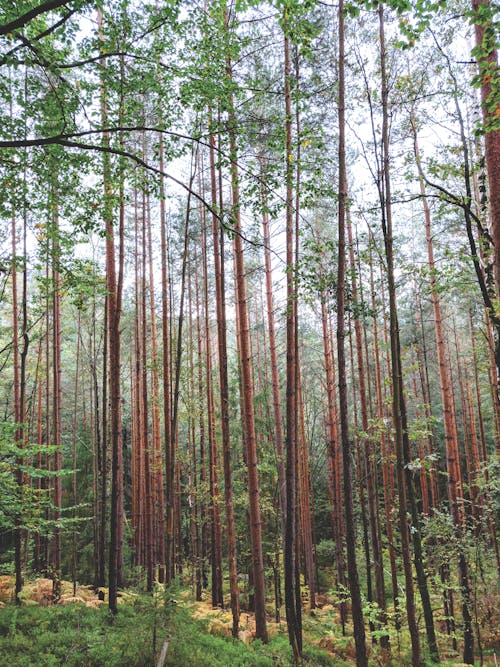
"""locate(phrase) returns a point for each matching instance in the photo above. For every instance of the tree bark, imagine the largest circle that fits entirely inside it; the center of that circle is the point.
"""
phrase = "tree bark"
(246, 376)
(220, 302)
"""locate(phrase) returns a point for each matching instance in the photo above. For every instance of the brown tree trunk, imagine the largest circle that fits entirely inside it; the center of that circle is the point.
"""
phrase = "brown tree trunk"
(374, 523)
(114, 289)
(450, 426)
(220, 302)
(166, 378)
(217, 597)
(432, 474)
(361, 477)
(102, 447)
(56, 403)
(381, 416)
(147, 451)
(246, 376)
(174, 544)
(156, 450)
(350, 534)
(74, 554)
(305, 498)
(455, 487)
(17, 408)
(398, 402)
(334, 456)
(487, 58)
(290, 560)
(278, 419)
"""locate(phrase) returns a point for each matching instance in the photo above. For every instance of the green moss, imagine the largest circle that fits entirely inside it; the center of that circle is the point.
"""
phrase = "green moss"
(78, 636)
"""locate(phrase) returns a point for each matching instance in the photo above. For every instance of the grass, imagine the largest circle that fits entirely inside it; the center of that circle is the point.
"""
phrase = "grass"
(80, 636)
(76, 635)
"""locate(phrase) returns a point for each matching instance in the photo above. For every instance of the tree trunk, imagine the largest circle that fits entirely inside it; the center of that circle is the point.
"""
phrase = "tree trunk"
(398, 399)
(375, 535)
(220, 302)
(114, 290)
(246, 373)
(487, 59)
(350, 534)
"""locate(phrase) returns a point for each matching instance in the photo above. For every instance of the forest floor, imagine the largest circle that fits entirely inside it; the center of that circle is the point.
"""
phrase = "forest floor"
(80, 632)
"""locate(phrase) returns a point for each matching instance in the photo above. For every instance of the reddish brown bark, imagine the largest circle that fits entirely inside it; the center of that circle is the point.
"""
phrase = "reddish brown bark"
(166, 379)
(220, 301)
(404, 481)
(156, 449)
(374, 523)
(350, 534)
(246, 377)
(486, 43)
(455, 491)
(334, 456)
(114, 289)
(217, 597)
(148, 497)
(386, 467)
(305, 499)
(275, 385)
(17, 407)
(74, 555)
(56, 404)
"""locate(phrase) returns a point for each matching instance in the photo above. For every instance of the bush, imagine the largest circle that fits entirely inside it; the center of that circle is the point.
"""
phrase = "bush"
(325, 553)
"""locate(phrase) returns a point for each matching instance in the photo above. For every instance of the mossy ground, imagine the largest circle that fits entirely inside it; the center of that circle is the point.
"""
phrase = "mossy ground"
(80, 633)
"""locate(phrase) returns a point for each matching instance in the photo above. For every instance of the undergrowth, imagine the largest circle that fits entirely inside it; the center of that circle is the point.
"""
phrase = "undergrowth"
(78, 636)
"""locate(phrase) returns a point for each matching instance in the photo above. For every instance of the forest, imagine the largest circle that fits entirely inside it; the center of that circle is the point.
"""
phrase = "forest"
(249, 332)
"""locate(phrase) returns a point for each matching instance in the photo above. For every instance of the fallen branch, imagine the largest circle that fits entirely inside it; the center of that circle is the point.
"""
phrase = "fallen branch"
(163, 654)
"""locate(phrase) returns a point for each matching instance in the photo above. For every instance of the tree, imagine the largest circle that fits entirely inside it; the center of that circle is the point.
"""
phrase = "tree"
(357, 611)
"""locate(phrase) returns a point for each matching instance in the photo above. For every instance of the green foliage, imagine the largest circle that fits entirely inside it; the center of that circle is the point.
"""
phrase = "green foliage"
(23, 504)
(79, 636)
(325, 553)
(488, 76)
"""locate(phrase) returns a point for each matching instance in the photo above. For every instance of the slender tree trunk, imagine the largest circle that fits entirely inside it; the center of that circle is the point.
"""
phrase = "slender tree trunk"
(101, 568)
(147, 446)
(37, 549)
(449, 417)
(350, 534)
(398, 405)
(220, 302)
(56, 402)
(455, 488)
(246, 376)
(369, 464)
(166, 378)
(217, 597)
(114, 289)
(305, 498)
(18, 537)
(381, 416)
(361, 477)
(173, 519)
(486, 44)
(156, 452)
(74, 555)
(290, 558)
(278, 419)
(334, 456)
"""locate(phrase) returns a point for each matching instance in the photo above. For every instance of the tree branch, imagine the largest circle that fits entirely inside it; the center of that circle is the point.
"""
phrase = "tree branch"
(43, 8)
(38, 37)
(155, 170)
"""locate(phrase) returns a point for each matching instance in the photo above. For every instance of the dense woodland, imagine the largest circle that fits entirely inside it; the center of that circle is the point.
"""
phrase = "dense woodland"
(249, 315)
